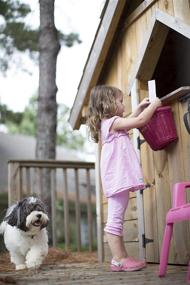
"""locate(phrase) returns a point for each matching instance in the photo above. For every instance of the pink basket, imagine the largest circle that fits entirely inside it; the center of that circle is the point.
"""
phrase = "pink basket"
(160, 130)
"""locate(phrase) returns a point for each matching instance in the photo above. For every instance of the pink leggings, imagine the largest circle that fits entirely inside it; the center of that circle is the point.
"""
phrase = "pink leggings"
(117, 206)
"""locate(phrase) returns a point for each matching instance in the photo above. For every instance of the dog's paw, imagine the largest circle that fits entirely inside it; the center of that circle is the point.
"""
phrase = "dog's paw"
(20, 266)
(33, 265)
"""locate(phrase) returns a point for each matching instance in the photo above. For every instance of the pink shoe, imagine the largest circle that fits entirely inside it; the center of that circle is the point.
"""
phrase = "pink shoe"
(127, 264)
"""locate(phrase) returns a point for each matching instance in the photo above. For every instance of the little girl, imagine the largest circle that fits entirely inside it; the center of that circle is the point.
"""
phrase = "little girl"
(119, 165)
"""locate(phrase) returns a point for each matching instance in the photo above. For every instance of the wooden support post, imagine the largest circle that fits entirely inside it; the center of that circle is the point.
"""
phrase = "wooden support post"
(99, 205)
(140, 210)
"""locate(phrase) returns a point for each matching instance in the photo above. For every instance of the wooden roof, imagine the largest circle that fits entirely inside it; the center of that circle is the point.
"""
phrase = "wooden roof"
(150, 52)
(108, 24)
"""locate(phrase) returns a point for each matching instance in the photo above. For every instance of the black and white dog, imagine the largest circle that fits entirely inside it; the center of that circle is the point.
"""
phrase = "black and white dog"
(25, 234)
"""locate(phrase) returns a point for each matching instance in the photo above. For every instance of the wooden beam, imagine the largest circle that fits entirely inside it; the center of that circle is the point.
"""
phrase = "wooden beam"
(52, 163)
(152, 51)
(153, 44)
(142, 64)
(141, 9)
(176, 94)
(173, 23)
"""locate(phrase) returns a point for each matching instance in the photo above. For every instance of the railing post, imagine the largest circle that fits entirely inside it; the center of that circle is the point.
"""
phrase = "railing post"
(53, 206)
(28, 182)
(77, 208)
(10, 188)
(20, 183)
(14, 182)
(66, 210)
(89, 209)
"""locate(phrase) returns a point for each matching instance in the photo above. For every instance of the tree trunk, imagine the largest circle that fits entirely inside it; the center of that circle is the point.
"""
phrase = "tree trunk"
(47, 107)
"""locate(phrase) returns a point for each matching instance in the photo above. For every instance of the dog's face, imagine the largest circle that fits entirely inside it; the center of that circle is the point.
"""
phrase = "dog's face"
(28, 215)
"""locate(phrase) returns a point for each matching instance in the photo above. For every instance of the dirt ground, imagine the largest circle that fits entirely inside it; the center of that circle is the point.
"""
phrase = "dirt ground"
(55, 256)
(66, 268)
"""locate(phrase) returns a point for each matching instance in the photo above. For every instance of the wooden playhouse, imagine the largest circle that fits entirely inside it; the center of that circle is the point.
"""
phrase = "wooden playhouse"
(138, 41)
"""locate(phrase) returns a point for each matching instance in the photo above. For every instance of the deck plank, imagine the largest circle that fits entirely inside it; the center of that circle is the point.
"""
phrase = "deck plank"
(93, 274)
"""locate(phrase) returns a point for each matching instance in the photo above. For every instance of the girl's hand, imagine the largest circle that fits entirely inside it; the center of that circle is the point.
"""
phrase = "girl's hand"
(144, 103)
(157, 102)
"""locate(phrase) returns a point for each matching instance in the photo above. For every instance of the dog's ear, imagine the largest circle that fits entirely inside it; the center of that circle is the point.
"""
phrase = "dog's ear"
(12, 217)
(17, 217)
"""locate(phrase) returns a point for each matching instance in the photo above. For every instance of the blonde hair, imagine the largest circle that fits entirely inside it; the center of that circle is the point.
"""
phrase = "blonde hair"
(102, 105)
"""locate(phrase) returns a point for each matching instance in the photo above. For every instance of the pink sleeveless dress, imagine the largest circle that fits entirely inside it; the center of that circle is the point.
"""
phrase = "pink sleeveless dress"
(119, 164)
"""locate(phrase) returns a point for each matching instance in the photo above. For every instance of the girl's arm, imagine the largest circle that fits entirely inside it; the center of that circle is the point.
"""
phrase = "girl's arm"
(136, 122)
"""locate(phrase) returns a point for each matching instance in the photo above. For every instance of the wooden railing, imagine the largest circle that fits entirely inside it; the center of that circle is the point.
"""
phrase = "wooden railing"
(68, 180)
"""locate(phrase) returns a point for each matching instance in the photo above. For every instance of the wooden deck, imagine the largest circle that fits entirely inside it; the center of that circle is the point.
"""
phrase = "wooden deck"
(81, 271)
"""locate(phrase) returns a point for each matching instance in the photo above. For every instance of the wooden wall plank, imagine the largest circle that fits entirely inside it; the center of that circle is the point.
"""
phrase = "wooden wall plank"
(185, 153)
(163, 168)
(183, 107)
(176, 174)
(141, 29)
(151, 225)
(166, 6)
(182, 10)
(131, 247)
(111, 76)
(163, 194)
(149, 198)
(131, 53)
(130, 231)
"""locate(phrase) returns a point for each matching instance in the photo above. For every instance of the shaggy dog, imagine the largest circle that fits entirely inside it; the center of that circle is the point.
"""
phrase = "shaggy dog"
(25, 234)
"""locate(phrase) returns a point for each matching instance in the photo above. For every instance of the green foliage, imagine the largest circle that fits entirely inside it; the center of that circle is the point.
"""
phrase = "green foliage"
(22, 123)
(69, 39)
(25, 123)
(19, 36)
(73, 243)
(65, 134)
(15, 35)
(13, 10)
(7, 115)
